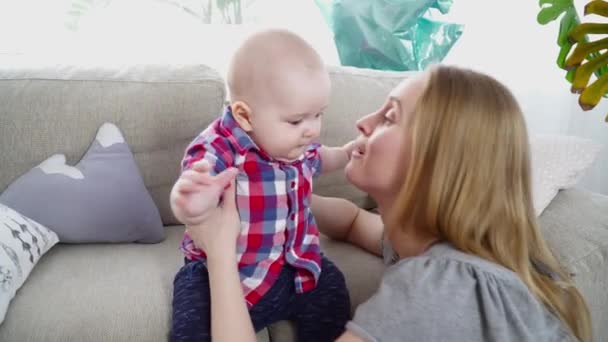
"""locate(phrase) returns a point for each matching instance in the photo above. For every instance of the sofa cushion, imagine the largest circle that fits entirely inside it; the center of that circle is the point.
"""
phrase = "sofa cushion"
(98, 292)
(123, 292)
(159, 108)
(86, 202)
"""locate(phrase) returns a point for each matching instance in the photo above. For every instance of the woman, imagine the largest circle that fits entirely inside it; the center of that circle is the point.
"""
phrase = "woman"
(447, 160)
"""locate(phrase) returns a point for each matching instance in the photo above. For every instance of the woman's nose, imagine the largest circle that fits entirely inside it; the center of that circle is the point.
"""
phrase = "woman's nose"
(365, 125)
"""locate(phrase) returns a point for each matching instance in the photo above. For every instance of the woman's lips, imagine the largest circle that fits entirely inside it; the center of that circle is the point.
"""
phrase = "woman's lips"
(357, 153)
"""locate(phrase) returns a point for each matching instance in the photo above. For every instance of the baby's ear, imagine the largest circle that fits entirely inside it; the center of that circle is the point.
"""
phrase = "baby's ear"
(242, 115)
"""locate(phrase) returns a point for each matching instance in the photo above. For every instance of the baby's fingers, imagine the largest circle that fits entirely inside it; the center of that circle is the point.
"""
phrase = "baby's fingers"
(224, 178)
(186, 186)
(196, 177)
(201, 166)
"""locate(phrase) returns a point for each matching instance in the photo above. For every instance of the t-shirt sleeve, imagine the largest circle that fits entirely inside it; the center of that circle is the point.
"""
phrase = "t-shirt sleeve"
(446, 300)
(214, 150)
(404, 307)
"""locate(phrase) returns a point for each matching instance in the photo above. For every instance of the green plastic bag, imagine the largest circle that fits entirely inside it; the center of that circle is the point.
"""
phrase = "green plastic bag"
(389, 34)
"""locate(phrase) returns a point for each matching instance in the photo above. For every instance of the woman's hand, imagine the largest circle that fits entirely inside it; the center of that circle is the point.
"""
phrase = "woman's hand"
(217, 236)
(218, 233)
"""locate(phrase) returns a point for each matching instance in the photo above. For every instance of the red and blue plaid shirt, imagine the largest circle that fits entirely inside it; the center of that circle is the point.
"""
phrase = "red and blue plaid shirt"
(273, 200)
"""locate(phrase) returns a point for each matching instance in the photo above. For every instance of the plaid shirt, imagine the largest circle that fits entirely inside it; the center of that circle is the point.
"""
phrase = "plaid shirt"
(273, 200)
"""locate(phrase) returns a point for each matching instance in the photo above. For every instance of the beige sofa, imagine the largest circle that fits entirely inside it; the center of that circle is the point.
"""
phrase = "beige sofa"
(123, 292)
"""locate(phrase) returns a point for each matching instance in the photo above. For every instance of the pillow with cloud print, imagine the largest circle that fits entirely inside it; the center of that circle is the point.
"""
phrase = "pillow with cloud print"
(101, 199)
(22, 243)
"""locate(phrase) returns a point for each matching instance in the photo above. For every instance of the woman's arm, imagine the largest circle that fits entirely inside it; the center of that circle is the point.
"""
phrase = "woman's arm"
(349, 337)
(230, 320)
(217, 235)
(343, 220)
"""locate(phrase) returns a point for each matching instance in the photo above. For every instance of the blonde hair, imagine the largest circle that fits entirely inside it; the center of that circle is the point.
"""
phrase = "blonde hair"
(468, 182)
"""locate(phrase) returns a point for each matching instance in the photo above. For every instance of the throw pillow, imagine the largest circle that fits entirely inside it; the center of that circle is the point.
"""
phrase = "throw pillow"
(22, 243)
(101, 199)
(558, 162)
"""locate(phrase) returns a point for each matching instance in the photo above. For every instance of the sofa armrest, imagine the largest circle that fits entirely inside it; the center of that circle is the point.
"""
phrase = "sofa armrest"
(575, 225)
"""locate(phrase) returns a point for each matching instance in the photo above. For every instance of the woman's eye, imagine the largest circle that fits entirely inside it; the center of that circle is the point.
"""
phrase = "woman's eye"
(388, 118)
(295, 123)
(319, 115)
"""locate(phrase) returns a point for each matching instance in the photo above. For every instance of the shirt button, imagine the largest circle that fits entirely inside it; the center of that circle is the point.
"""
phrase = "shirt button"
(292, 217)
(293, 185)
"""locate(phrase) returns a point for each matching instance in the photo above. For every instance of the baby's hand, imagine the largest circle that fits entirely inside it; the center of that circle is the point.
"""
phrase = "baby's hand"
(335, 158)
(348, 148)
(197, 192)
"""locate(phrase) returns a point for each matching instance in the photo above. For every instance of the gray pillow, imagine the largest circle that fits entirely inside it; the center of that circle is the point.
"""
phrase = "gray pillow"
(101, 199)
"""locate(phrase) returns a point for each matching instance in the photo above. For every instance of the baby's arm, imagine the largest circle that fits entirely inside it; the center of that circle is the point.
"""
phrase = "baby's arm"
(199, 187)
(335, 158)
(342, 220)
(197, 192)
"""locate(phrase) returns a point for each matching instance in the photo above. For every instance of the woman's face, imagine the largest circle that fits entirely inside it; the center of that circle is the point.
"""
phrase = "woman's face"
(381, 155)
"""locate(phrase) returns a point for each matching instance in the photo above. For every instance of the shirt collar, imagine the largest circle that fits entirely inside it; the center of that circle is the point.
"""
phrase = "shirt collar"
(243, 142)
(239, 138)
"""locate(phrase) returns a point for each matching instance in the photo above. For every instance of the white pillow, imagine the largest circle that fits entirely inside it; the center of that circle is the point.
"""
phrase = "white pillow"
(558, 162)
(22, 243)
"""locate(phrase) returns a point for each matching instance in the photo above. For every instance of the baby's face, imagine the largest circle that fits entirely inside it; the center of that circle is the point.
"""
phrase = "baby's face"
(286, 124)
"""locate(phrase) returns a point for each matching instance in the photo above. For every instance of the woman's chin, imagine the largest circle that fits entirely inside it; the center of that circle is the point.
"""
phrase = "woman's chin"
(356, 176)
(350, 171)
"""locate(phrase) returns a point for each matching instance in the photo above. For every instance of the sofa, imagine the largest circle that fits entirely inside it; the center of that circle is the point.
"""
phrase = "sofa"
(122, 292)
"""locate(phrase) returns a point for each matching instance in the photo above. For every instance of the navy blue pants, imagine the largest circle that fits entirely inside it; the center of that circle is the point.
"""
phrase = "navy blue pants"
(319, 314)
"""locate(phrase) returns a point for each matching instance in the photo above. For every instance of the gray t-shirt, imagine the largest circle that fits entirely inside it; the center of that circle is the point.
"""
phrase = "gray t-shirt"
(448, 295)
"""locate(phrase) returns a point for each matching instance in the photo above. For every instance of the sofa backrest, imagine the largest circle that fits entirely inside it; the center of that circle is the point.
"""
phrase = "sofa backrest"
(159, 108)
(58, 109)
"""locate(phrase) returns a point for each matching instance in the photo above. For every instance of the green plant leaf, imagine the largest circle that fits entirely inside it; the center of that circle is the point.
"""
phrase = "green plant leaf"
(580, 32)
(563, 53)
(584, 71)
(549, 13)
(598, 7)
(570, 74)
(592, 95)
(562, 3)
(585, 49)
(569, 21)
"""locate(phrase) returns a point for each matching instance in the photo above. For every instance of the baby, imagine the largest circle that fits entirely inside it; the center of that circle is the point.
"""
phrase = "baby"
(279, 88)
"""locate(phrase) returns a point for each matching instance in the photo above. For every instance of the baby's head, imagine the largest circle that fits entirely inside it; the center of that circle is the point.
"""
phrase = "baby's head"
(279, 88)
